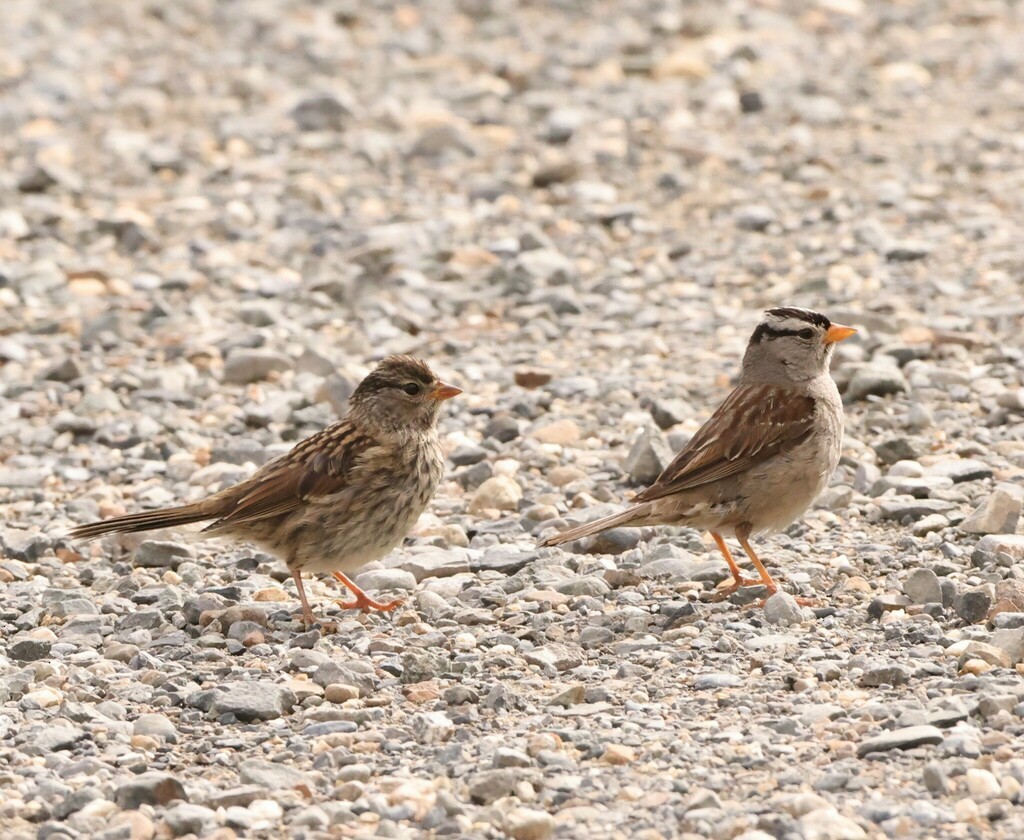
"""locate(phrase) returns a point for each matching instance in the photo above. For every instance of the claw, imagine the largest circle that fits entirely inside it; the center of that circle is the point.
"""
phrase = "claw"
(738, 583)
(368, 604)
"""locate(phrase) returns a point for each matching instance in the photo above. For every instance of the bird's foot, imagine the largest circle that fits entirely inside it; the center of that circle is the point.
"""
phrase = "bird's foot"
(738, 583)
(365, 603)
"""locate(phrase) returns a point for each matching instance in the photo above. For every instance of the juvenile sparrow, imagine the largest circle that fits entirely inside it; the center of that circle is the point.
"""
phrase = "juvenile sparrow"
(762, 457)
(339, 499)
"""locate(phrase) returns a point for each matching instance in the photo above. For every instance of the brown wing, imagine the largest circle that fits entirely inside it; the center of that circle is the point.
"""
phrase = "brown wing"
(321, 465)
(754, 423)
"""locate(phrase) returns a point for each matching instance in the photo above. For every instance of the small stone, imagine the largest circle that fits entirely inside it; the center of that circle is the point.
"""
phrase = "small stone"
(997, 514)
(935, 779)
(251, 701)
(982, 784)
(321, 112)
(616, 754)
(162, 554)
(506, 757)
(755, 217)
(386, 579)
(828, 824)
(905, 738)
(502, 427)
(153, 788)
(561, 657)
(922, 587)
(614, 541)
(531, 377)
(889, 674)
(340, 693)
(436, 564)
(23, 545)
(1011, 642)
(490, 785)
(710, 682)
(156, 726)
(908, 250)
(925, 526)
(272, 775)
(423, 665)
(187, 818)
(876, 380)
(66, 370)
(27, 649)
(993, 548)
(558, 172)
(529, 824)
(243, 367)
(569, 696)
(782, 609)
(648, 456)
(751, 102)
(54, 739)
(499, 492)
(561, 476)
(900, 508)
(432, 727)
(561, 432)
(973, 605)
(989, 654)
(961, 469)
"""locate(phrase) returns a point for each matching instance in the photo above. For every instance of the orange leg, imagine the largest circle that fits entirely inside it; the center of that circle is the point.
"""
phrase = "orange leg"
(766, 577)
(737, 577)
(363, 601)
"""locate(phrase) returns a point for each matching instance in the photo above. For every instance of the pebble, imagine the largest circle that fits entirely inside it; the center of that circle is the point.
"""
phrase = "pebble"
(922, 587)
(529, 824)
(272, 776)
(648, 456)
(782, 609)
(904, 738)
(876, 380)
(496, 493)
(997, 514)
(828, 824)
(250, 701)
(982, 784)
(152, 788)
(245, 366)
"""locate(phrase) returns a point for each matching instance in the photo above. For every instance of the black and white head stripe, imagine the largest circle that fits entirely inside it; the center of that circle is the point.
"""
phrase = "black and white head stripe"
(791, 321)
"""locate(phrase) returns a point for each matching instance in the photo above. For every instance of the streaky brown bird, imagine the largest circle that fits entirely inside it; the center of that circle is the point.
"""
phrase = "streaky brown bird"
(768, 450)
(339, 499)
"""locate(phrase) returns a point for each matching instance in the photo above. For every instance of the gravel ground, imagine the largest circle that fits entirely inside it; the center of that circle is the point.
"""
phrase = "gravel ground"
(214, 216)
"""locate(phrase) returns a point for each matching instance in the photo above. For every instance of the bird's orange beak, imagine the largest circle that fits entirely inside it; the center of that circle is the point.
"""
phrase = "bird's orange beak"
(443, 392)
(838, 332)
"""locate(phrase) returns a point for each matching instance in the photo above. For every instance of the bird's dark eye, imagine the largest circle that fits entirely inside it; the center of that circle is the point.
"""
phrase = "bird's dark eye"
(806, 334)
(412, 389)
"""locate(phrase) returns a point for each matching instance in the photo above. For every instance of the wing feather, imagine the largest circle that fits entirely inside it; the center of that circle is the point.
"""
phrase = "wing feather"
(322, 465)
(754, 423)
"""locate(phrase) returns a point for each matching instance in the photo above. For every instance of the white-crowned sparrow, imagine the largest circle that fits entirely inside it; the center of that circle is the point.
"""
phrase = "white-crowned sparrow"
(339, 499)
(762, 457)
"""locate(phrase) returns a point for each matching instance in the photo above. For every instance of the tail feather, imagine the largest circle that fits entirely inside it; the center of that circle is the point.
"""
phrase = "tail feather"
(636, 515)
(148, 520)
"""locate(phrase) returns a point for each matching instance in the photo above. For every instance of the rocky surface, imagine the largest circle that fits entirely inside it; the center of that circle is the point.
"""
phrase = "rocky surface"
(214, 217)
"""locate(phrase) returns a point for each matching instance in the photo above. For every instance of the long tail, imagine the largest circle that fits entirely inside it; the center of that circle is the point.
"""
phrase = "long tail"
(636, 515)
(146, 521)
